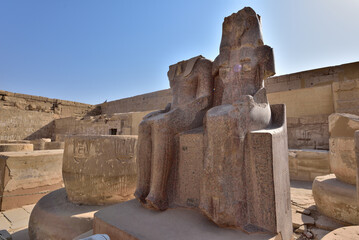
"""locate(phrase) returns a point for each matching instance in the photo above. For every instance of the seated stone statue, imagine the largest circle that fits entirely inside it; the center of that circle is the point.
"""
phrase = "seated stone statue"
(242, 65)
(192, 88)
(234, 169)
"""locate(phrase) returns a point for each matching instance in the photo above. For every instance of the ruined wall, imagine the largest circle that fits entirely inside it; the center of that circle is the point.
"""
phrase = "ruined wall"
(16, 124)
(144, 102)
(311, 96)
(30, 117)
(307, 115)
(115, 124)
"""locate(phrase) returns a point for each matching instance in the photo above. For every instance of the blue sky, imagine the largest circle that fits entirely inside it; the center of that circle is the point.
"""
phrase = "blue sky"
(91, 50)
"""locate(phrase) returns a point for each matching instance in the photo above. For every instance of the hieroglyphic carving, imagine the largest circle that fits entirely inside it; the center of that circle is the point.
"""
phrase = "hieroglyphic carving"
(81, 150)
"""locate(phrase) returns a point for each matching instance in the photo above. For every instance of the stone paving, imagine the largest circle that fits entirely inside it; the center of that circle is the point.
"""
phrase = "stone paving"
(308, 223)
(15, 221)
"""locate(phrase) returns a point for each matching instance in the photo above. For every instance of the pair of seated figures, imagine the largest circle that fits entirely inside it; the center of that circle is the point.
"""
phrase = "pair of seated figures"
(227, 97)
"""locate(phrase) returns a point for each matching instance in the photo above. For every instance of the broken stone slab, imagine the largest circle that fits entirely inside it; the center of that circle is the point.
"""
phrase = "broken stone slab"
(318, 233)
(344, 233)
(301, 229)
(303, 211)
(27, 176)
(336, 199)
(129, 220)
(299, 219)
(54, 217)
(16, 147)
(99, 170)
(329, 224)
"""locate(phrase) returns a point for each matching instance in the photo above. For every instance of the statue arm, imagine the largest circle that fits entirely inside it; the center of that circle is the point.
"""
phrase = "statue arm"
(204, 93)
(265, 53)
(158, 112)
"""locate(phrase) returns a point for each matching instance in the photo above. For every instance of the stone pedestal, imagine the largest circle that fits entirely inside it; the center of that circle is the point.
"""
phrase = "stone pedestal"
(131, 221)
(97, 170)
(235, 170)
(336, 194)
(336, 199)
(344, 233)
(28, 176)
(55, 217)
(267, 170)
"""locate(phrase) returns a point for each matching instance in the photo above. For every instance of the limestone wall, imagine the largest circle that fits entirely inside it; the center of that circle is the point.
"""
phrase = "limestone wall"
(31, 117)
(113, 124)
(310, 96)
(16, 124)
(144, 102)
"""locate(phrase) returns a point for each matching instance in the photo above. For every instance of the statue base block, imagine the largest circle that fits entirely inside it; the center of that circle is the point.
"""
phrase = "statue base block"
(131, 221)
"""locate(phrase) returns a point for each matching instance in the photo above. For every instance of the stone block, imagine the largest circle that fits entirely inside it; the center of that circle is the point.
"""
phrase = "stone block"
(299, 219)
(54, 217)
(129, 221)
(268, 176)
(342, 147)
(189, 169)
(16, 147)
(306, 164)
(99, 169)
(54, 145)
(27, 176)
(336, 199)
(39, 144)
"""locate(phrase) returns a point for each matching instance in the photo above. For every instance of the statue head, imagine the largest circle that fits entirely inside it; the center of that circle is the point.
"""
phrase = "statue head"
(244, 61)
(183, 69)
(242, 29)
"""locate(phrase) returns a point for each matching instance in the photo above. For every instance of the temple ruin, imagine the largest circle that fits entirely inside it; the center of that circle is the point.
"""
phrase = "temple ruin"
(230, 151)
